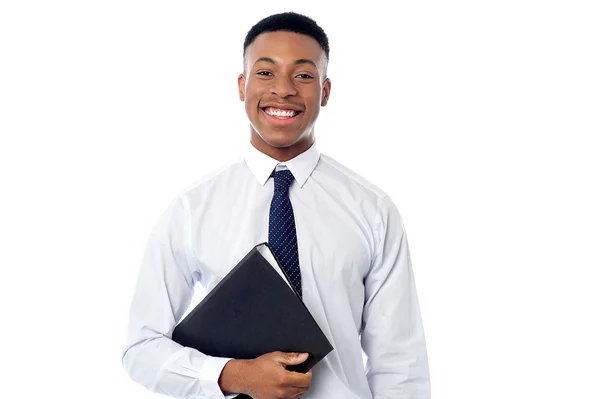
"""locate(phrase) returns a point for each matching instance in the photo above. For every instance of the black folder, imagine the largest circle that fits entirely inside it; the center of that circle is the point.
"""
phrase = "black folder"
(254, 310)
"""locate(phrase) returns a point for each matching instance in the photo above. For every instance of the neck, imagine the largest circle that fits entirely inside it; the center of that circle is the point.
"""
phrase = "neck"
(282, 154)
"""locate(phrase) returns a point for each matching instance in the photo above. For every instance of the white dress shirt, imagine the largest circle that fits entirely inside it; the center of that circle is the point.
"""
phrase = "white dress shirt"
(357, 278)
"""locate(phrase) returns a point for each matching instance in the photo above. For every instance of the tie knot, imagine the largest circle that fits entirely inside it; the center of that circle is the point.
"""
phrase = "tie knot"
(283, 179)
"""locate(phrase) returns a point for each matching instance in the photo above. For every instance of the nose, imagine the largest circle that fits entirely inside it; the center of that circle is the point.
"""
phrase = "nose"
(283, 87)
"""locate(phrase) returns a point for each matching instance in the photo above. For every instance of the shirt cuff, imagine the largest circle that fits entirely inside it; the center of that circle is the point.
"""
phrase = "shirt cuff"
(211, 371)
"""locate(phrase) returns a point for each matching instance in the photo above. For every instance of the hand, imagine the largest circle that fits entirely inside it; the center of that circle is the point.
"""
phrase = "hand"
(266, 376)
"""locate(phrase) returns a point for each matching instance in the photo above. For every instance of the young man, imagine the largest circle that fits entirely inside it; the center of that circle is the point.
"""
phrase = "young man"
(340, 238)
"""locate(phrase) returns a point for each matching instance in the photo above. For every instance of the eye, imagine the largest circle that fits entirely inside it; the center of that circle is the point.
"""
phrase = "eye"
(304, 76)
(264, 73)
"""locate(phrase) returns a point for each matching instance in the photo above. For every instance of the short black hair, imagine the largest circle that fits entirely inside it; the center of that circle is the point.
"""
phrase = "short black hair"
(289, 22)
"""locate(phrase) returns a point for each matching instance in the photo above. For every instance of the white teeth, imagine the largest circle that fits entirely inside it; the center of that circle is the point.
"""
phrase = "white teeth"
(280, 113)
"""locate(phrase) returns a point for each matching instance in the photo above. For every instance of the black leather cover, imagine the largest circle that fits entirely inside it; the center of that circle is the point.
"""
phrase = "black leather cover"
(253, 311)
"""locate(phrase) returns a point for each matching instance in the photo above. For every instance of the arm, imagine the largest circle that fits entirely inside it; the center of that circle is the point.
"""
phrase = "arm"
(163, 291)
(392, 332)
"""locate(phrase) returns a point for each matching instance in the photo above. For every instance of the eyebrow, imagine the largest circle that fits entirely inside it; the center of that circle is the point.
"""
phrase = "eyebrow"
(297, 62)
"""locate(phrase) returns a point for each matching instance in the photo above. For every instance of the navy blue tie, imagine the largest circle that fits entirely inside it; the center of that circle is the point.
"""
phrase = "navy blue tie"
(282, 228)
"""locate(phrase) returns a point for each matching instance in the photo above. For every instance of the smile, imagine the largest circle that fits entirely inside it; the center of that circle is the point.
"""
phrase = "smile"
(280, 116)
(280, 113)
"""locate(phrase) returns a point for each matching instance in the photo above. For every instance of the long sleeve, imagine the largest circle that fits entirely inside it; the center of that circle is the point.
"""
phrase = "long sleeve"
(163, 291)
(392, 332)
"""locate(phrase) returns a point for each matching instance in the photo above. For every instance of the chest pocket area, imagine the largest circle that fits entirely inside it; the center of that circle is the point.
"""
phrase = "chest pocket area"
(338, 253)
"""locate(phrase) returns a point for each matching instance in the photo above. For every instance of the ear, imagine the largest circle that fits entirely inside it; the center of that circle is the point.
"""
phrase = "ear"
(325, 92)
(242, 86)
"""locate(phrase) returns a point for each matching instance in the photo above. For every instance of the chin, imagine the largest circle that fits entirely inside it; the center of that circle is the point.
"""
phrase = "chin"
(280, 140)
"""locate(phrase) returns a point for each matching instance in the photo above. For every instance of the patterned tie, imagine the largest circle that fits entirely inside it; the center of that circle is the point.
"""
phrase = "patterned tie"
(282, 228)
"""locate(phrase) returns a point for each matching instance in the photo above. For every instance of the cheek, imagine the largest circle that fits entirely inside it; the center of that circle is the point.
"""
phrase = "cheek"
(312, 95)
(251, 98)
(254, 89)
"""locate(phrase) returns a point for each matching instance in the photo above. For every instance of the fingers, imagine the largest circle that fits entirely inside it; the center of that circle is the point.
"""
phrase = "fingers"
(293, 384)
(292, 358)
(299, 380)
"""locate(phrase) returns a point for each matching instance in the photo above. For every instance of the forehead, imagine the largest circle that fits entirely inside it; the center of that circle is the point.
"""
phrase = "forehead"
(285, 47)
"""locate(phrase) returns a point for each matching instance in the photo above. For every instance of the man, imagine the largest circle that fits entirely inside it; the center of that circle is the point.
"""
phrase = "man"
(341, 239)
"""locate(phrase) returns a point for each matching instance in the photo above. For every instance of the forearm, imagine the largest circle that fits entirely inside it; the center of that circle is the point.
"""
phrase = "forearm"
(403, 376)
(165, 367)
(394, 341)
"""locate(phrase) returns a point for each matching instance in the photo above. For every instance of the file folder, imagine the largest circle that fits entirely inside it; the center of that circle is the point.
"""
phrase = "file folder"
(254, 310)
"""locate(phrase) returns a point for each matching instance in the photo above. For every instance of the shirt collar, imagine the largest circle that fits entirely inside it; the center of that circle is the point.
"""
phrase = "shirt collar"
(262, 165)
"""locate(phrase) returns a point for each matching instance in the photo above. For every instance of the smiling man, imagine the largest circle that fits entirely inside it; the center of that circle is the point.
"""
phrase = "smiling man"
(340, 238)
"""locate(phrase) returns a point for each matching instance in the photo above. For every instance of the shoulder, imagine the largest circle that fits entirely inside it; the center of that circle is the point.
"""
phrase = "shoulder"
(372, 197)
(215, 175)
(348, 176)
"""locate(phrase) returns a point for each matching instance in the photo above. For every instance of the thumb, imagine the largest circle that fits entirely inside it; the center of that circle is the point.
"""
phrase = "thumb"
(292, 358)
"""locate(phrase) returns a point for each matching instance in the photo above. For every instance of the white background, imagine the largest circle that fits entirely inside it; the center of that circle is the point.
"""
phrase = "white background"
(479, 118)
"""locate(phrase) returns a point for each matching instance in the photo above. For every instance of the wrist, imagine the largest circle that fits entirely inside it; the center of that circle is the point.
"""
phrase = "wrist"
(232, 378)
